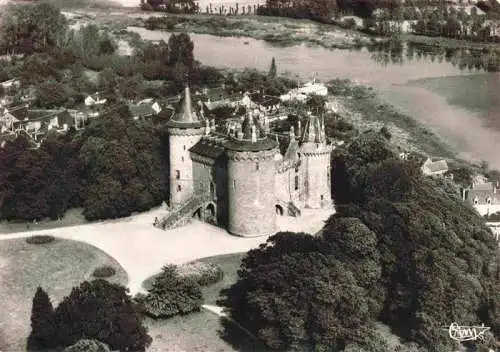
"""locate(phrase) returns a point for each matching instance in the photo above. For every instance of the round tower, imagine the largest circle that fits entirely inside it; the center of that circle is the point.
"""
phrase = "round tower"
(185, 129)
(251, 174)
(316, 165)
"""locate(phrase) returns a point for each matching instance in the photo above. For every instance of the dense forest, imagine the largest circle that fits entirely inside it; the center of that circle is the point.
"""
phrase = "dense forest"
(402, 249)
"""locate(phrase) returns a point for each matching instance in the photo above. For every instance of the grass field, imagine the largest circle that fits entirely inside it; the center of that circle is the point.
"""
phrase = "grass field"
(202, 331)
(56, 267)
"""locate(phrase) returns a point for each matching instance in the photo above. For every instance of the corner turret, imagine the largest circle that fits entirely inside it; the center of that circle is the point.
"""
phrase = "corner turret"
(185, 129)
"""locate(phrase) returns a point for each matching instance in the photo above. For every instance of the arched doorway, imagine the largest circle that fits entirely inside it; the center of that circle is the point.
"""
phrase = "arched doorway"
(197, 214)
(211, 210)
(279, 210)
(210, 214)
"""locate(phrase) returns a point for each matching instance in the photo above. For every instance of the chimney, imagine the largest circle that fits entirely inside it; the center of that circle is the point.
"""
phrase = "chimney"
(292, 133)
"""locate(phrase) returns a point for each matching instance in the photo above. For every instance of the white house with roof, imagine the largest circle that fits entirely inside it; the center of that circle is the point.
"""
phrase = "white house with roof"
(11, 83)
(434, 168)
(94, 99)
(302, 93)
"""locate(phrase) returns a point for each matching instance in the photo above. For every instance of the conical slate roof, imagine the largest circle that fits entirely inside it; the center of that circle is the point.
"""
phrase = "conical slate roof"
(313, 133)
(185, 116)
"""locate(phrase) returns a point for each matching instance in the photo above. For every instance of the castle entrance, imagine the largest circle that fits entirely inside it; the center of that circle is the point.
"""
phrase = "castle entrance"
(210, 213)
(197, 214)
(279, 210)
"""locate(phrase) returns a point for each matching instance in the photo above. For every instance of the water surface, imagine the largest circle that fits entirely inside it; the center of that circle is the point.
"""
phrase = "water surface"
(460, 105)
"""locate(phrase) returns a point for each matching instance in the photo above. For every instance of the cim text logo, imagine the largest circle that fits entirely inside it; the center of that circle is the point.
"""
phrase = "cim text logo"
(467, 333)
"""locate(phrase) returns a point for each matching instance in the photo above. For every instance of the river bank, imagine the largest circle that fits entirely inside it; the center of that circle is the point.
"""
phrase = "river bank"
(279, 30)
(386, 72)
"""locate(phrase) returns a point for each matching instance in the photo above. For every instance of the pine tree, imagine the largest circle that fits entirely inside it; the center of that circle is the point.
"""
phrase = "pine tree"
(273, 70)
(42, 321)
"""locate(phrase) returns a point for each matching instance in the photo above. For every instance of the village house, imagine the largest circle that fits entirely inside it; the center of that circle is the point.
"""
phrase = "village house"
(302, 93)
(434, 168)
(484, 196)
(144, 109)
(94, 100)
(11, 84)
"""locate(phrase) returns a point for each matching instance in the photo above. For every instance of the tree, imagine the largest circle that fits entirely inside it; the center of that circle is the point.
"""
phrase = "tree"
(52, 94)
(124, 165)
(272, 69)
(42, 322)
(293, 294)
(317, 104)
(181, 50)
(414, 219)
(32, 28)
(102, 311)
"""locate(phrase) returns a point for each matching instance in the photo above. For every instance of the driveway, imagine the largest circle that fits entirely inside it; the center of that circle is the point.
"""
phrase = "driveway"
(142, 250)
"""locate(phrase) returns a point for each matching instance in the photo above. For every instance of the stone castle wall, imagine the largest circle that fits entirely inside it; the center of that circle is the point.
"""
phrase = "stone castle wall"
(251, 193)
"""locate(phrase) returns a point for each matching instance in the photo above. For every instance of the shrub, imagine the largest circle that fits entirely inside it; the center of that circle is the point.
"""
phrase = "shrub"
(88, 311)
(203, 273)
(171, 295)
(86, 345)
(42, 322)
(104, 271)
(40, 239)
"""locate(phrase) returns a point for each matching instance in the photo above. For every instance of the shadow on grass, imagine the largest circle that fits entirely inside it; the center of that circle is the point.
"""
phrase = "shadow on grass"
(239, 339)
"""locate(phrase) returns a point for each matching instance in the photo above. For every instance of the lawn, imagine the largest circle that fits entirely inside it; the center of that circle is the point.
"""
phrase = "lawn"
(202, 331)
(56, 266)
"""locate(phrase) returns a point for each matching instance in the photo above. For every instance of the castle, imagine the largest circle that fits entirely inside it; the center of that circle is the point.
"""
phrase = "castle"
(239, 175)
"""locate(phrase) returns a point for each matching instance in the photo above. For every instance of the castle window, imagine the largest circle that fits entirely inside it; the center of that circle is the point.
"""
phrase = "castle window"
(184, 147)
(476, 201)
(257, 166)
(296, 169)
(322, 197)
(296, 182)
(212, 188)
(182, 158)
(328, 174)
(488, 200)
(234, 184)
(179, 188)
(177, 175)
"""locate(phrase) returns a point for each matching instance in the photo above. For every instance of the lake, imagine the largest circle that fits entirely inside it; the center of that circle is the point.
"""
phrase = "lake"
(461, 105)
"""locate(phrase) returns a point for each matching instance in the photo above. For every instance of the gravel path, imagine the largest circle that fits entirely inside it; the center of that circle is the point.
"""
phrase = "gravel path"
(142, 250)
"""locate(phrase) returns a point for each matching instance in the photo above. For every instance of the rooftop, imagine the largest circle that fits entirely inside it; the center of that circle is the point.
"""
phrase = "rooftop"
(185, 116)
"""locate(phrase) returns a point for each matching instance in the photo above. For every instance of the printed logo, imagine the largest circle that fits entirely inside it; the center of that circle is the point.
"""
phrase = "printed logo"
(467, 333)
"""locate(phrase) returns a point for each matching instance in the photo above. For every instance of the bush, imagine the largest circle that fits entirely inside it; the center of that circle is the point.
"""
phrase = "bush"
(203, 273)
(102, 311)
(86, 345)
(40, 239)
(104, 271)
(171, 294)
